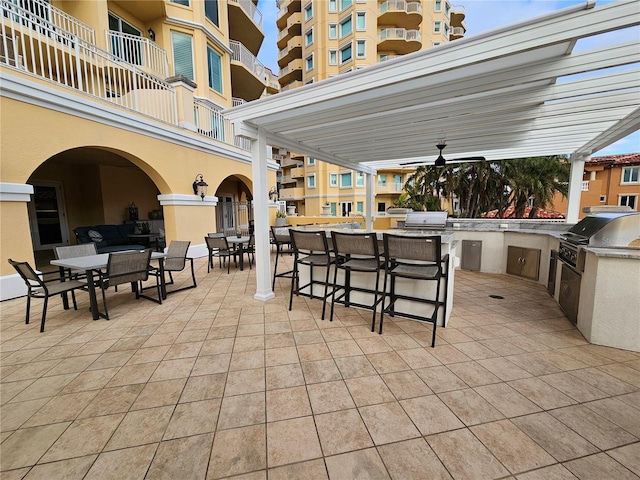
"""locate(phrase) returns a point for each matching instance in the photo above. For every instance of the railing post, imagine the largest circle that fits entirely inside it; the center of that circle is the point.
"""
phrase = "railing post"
(184, 97)
(76, 47)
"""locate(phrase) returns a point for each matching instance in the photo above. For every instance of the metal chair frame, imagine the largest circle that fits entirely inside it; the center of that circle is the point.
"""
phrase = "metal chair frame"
(176, 261)
(72, 251)
(37, 287)
(310, 248)
(417, 258)
(282, 240)
(219, 247)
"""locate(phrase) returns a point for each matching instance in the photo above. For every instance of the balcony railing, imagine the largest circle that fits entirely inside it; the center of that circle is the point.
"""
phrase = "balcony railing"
(457, 31)
(253, 12)
(138, 51)
(45, 50)
(403, 5)
(244, 56)
(399, 34)
(237, 101)
(585, 185)
(211, 123)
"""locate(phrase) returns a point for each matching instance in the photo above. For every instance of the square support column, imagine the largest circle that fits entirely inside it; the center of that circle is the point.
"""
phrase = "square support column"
(575, 188)
(368, 207)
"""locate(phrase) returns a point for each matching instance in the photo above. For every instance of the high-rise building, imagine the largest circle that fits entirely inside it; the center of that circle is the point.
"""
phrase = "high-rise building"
(318, 39)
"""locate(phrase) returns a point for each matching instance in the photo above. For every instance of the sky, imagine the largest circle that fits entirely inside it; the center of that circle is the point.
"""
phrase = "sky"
(481, 15)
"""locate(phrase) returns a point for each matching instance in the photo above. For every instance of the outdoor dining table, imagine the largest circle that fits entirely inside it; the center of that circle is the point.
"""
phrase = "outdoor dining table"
(239, 242)
(91, 263)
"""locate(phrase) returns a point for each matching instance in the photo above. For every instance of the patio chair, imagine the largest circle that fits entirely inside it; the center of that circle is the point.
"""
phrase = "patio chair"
(128, 267)
(219, 247)
(311, 249)
(282, 241)
(417, 258)
(176, 261)
(250, 249)
(37, 287)
(72, 251)
(356, 253)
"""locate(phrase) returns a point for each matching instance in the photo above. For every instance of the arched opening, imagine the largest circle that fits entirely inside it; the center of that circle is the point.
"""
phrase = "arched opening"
(234, 211)
(90, 186)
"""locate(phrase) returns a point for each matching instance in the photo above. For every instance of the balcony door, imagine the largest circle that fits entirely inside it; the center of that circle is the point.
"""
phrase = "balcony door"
(47, 216)
(124, 45)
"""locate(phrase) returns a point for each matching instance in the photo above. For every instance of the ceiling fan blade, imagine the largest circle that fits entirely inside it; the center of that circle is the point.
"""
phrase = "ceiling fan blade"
(419, 162)
(468, 159)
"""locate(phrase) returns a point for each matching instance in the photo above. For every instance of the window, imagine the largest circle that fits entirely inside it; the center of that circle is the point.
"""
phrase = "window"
(360, 207)
(333, 57)
(309, 62)
(361, 49)
(215, 69)
(346, 208)
(308, 81)
(437, 6)
(382, 180)
(308, 37)
(359, 179)
(345, 26)
(311, 161)
(334, 209)
(447, 8)
(211, 11)
(333, 31)
(308, 11)
(333, 6)
(311, 181)
(333, 179)
(345, 4)
(628, 201)
(181, 2)
(345, 53)
(437, 27)
(345, 180)
(382, 207)
(361, 24)
(603, 199)
(446, 30)
(630, 174)
(182, 54)
(124, 47)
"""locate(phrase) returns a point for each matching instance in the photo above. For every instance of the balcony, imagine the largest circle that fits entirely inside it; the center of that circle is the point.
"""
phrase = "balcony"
(247, 73)
(291, 51)
(297, 172)
(138, 51)
(147, 11)
(292, 72)
(286, 9)
(291, 85)
(296, 193)
(456, 33)
(457, 15)
(382, 188)
(585, 185)
(399, 40)
(400, 13)
(294, 20)
(245, 24)
(271, 80)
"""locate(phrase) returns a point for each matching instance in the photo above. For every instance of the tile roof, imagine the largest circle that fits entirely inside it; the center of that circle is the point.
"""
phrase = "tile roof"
(622, 159)
(541, 213)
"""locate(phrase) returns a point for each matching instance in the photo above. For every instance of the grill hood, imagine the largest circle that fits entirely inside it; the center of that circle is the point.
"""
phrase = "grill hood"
(606, 227)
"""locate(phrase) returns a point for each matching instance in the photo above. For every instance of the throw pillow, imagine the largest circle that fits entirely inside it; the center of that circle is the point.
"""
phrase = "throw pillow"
(94, 236)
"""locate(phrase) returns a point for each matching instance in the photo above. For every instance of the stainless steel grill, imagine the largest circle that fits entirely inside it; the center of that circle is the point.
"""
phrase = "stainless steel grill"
(426, 221)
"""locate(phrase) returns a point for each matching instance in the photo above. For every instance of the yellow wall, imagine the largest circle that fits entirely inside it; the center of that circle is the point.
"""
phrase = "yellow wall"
(15, 236)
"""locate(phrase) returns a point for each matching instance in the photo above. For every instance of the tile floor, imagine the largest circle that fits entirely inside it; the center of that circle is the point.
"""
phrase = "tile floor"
(213, 384)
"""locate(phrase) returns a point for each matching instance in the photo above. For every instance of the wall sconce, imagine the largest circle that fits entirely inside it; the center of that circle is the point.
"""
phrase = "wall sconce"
(152, 35)
(200, 186)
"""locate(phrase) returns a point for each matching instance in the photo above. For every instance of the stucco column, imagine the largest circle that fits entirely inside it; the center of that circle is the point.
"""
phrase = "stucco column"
(575, 188)
(184, 99)
(368, 207)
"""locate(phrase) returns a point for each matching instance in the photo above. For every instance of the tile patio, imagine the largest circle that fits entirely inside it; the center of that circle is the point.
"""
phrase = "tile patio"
(213, 384)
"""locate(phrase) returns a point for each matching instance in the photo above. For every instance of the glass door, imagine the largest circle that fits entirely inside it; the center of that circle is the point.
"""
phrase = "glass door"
(47, 216)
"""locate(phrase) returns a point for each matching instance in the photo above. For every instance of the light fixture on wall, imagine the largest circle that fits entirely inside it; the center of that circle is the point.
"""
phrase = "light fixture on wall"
(200, 186)
(152, 34)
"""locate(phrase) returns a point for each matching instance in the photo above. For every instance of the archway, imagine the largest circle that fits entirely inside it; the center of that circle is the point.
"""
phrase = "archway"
(235, 205)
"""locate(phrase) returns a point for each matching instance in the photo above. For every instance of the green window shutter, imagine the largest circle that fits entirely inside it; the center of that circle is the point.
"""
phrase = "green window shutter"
(182, 55)
(215, 70)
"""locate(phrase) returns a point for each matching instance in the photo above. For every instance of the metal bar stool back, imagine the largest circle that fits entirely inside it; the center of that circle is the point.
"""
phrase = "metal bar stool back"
(282, 241)
(356, 252)
(311, 249)
(417, 258)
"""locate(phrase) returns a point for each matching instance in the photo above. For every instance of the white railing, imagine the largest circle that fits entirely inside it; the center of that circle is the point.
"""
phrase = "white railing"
(413, 35)
(585, 185)
(210, 122)
(457, 31)
(392, 5)
(237, 101)
(244, 56)
(283, 52)
(138, 51)
(414, 7)
(45, 51)
(253, 12)
(282, 34)
(459, 9)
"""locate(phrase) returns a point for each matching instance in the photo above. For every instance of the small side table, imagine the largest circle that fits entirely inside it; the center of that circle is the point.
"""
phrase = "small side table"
(144, 237)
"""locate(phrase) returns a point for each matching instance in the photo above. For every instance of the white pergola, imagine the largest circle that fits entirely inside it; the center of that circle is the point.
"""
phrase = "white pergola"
(513, 92)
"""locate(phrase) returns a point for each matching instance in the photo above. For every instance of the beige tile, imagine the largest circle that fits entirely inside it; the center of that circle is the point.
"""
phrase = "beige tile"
(387, 422)
(336, 334)
(83, 437)
(465, 457)
(13, 415)
(242, 410)
(573, 387)
(132, 374)
(45, 387)
(597, 467)
(204, 387)
(140, 427)
(237, 451)
(342, 431)
(279, 340)
(72, 365)
(504, 369)
(281, 356)
(593, 427)
(629, 456)
(603, 381)
(430, 415)
(183, 350)
(182, 458)
(365, 464)
(25, 447)
(320, 371)
(369, 390)
(400, 341)
(126, 463)
(217, 346)
(150, 354)
(470, 407)
(618, 412)
(448, 354)
(308, 337)
(541, 393)
(171, 369)
(274, 328)
(247, 360)
(344, 348)
(211, 364)
(11, 389)
(157, 394)
(245, 381)
(406, 384)
(62, 408)
(554, 436)
(411, 460)
(507, 400)
(418, 358)
(112, 359)
(387, 362)
(554, 472)
(283, 376)
(473, 350)
(245, 344)
(287, 403)
(511, 446)
(112, 400)
(193, 418)
(440, 379)
(312, 352)
(311, 470)
(351, 367)
(329, 397)
(290, 441)
(72, 469)
(373, 344)
(473, 374)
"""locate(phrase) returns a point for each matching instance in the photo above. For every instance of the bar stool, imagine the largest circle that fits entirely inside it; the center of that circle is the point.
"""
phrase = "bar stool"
(310, 248)
(417, 258)
(282, 241)
(356, 252)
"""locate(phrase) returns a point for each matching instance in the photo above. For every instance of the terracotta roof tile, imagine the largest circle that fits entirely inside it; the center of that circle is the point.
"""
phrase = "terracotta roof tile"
(622, 159)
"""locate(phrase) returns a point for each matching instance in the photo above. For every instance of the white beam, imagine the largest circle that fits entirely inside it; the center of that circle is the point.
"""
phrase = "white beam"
(575, 188)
